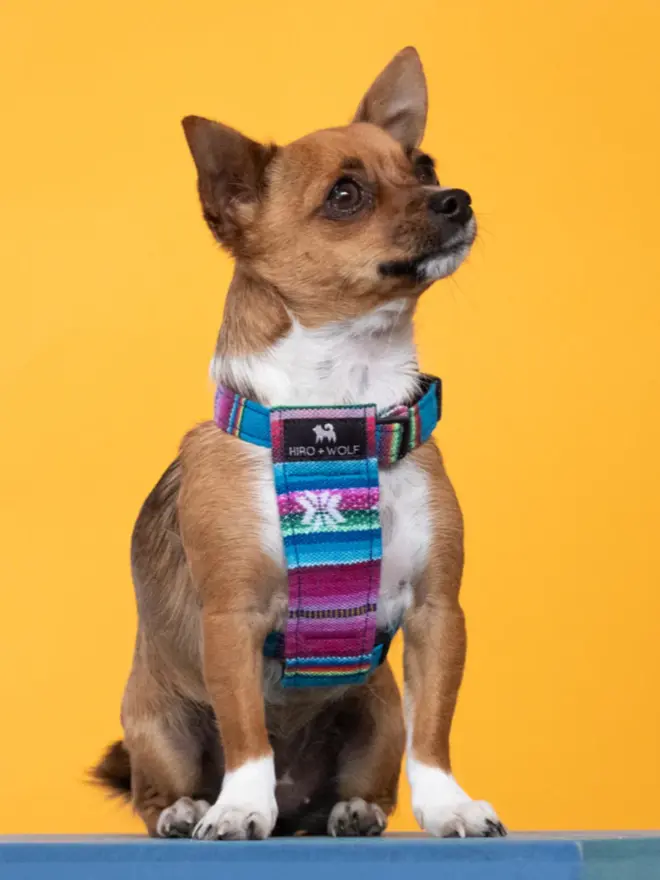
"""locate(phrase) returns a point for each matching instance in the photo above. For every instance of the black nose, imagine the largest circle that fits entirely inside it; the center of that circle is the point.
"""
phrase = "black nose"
(454, 204)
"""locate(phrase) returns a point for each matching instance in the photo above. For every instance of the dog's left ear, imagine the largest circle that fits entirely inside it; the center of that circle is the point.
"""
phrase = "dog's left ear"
(398, 100)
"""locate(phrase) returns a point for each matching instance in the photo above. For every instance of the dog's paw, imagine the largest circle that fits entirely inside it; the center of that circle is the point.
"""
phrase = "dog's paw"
(246, 808)
(179, 819)
(442, 807)
(356, 818)
(466, 819)
(240, 822)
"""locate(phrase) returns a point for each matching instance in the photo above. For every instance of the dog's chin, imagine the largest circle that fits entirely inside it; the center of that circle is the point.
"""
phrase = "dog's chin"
(433, 265)
(442, 264)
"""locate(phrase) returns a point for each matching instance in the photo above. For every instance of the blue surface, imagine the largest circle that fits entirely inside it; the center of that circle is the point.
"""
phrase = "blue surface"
(524, 857)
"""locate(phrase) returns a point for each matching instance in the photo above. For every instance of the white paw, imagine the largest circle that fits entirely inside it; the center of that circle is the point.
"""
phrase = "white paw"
(240, 822)
(442, 807)
(179, 819)
(246, 808)
(356, 818)
(466, 819)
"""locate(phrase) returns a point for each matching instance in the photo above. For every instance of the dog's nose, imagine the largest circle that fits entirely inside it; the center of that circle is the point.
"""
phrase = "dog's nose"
(454, 204)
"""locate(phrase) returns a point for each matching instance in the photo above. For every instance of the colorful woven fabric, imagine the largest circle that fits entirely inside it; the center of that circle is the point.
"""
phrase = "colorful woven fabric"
(399, 430)
(326, 478)
(325, 463)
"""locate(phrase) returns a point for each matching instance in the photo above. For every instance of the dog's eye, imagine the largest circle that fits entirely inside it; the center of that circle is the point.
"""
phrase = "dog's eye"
(345, 198)
(425, 174)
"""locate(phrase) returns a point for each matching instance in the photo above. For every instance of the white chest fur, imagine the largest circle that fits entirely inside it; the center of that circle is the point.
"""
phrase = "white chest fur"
(369, 360)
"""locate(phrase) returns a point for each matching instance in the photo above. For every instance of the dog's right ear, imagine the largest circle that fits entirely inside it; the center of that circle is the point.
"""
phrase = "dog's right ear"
(230, 175)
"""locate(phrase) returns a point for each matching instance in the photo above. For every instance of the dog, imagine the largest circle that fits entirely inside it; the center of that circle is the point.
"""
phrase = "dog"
(335, 237)
(325, 432)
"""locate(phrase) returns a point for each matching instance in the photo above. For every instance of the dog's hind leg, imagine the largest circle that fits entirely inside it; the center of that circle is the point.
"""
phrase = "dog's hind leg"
(169, 731)
(171, 775)
(369, 763)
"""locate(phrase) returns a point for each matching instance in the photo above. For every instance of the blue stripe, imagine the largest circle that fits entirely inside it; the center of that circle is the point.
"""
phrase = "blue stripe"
(315, 662)
(324, 680)
(357, 549)
(348, 538)
(257, 409)
(428, 414)
(232, 414)
(254, 427)
(300, 483)
(328, 468)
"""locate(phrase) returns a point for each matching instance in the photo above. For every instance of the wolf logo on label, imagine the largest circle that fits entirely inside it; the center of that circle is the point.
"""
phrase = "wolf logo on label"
(325, 432)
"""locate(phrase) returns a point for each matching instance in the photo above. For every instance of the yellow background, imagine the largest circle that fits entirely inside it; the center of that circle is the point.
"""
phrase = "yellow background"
(548, 340)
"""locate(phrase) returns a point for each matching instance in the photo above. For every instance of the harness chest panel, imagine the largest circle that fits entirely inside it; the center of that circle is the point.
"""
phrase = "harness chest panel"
(325, 467)
(326, 477)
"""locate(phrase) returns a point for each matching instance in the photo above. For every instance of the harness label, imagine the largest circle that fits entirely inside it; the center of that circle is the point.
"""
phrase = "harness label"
(310, 439)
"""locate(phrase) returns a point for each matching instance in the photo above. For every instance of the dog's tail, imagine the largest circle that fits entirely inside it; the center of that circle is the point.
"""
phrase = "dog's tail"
(114, 771)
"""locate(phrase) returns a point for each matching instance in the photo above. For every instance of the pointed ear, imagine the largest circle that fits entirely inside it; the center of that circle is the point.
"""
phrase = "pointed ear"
(398, 100)
(230, 174)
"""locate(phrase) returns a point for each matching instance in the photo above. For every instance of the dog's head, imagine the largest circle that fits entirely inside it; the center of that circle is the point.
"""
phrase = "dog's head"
(343, 219)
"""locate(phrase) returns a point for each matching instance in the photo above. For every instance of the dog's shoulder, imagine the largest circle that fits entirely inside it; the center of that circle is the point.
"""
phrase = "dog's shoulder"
(429, 458)
(206, 450)
(220, 474)
(444, 508)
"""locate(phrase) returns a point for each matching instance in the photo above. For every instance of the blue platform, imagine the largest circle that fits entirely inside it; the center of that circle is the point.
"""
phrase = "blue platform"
(394, 857)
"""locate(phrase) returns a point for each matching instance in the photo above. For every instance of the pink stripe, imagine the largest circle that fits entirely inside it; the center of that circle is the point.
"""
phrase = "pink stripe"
(349, 627)
(276, 437)
(340, 586)
(371, 433)
(321, 413)
(350, 499)
(336, 600)
(223, 409)
(344, 645)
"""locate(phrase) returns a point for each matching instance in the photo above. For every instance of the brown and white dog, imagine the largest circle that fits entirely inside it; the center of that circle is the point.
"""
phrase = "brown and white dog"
(335, 237)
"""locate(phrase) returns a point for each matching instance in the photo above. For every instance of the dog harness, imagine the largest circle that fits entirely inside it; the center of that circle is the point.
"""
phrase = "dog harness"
(325, 467)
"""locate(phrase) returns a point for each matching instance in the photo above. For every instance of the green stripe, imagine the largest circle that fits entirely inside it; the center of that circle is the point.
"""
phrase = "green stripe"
(396, 442)
(413, 430)
(353, 521)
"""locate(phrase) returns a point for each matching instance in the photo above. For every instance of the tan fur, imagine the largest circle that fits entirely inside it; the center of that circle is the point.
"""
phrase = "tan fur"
(230, 605)
(434, 628)
(330, 284)
(254, 318)
(242, 592)
(207, 592)
(371, 763)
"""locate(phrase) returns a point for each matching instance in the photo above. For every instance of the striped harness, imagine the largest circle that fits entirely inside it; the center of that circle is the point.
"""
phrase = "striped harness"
(325, 466)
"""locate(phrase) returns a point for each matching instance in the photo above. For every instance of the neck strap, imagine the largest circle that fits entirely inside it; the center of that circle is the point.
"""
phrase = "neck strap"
(399, 430)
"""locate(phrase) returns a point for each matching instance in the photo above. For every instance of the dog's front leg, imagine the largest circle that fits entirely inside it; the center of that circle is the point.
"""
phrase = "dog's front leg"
(433, 660)
(236, 585)
(434, 656)
(246, 807)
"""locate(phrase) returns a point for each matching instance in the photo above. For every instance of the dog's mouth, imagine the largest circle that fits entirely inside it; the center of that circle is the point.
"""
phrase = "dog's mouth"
(432, 265)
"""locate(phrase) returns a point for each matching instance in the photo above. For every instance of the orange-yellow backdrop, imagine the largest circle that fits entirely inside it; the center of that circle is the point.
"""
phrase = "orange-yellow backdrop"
(548, 343)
